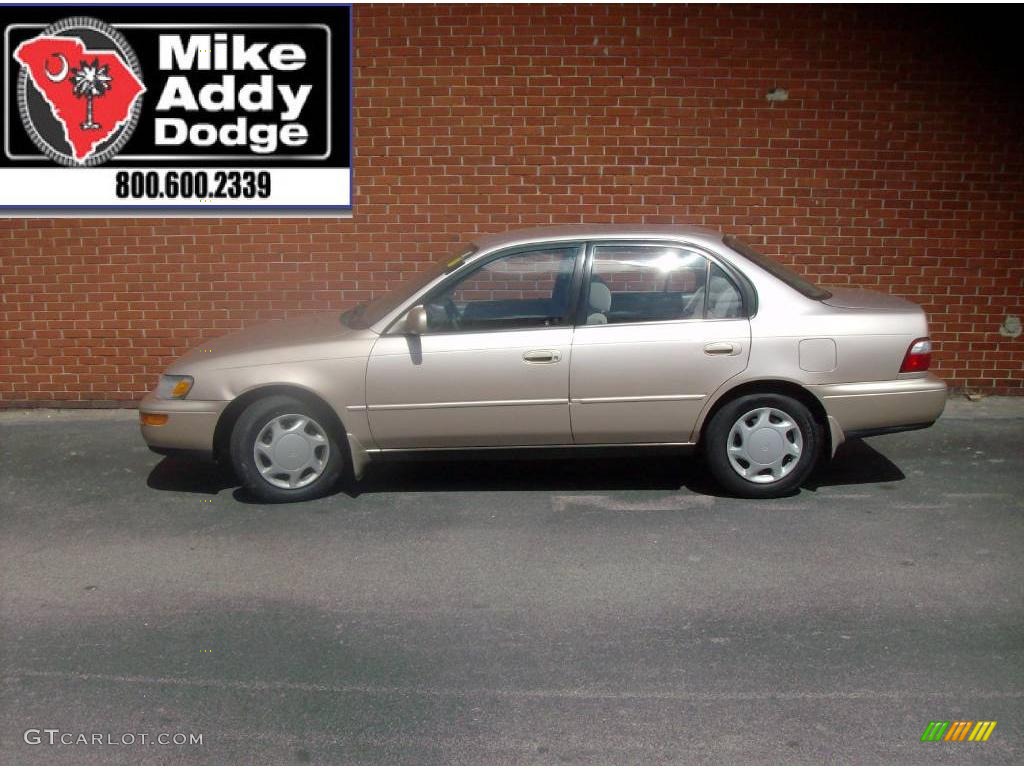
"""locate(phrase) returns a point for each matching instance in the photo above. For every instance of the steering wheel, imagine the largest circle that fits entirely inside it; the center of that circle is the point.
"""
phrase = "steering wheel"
(452, 313)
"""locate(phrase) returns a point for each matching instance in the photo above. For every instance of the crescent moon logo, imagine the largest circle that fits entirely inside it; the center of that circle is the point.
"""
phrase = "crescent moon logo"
(63, 73)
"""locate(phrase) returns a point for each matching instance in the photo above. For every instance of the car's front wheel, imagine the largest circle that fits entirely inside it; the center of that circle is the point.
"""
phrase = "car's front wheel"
(762, 446)
(284, 449)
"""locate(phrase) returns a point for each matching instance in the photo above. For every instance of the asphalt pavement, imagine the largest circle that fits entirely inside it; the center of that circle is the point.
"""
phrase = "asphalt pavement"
(562, 611)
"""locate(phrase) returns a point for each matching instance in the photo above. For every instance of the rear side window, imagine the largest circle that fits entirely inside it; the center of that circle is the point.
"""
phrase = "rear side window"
(645, 283)
(783, 273)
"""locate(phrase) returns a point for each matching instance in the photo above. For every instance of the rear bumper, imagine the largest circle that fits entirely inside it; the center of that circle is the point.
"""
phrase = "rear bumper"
(878, 407)
(190, 424)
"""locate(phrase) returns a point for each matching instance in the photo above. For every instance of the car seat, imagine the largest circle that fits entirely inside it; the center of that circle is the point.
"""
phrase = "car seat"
(600, 301)
(723, 299)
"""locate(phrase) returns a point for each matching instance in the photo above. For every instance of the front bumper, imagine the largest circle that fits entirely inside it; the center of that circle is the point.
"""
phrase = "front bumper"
(190, 424)
(877, 407)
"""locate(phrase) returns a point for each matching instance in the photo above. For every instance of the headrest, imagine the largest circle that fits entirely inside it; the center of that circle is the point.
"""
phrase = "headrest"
(600, 297)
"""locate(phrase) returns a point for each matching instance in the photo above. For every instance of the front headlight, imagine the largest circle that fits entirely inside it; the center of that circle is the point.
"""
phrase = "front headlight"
(174, 387)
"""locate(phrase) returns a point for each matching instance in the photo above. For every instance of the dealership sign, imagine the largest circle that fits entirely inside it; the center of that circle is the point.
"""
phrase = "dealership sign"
(177, 107)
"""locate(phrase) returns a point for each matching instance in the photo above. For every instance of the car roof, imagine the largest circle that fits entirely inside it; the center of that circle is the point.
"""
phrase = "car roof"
(598, 232)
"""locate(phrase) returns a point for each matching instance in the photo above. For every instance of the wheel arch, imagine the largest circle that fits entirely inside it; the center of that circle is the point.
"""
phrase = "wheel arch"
(776, 387)
(229, 416)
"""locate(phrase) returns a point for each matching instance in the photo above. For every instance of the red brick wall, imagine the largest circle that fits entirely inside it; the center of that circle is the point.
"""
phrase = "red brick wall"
(896, 164)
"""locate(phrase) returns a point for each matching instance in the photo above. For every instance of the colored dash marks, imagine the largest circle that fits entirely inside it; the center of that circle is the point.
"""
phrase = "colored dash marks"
(958, 730)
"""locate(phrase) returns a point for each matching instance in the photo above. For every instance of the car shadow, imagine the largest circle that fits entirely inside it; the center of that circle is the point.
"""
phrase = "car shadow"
(190, 476)
(551, 474)
(855, 463)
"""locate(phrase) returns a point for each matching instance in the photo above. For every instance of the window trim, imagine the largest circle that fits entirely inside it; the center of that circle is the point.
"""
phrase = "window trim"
(464, 271)
(748, 298)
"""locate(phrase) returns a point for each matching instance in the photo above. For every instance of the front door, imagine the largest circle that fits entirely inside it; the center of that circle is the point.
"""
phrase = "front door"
(662, 327)
(493, 368)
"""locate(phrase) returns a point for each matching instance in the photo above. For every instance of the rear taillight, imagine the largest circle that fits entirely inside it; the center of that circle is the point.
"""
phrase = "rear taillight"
(918, 357)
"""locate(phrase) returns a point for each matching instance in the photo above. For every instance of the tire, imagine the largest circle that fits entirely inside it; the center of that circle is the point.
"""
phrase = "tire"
(762, 446)
(285, 449)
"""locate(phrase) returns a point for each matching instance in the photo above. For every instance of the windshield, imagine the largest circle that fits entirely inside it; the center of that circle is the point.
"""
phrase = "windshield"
(783, 273)
(365, 315)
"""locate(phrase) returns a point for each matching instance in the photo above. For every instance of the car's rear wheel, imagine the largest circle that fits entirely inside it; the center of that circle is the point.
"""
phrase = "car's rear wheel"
(762, 446)
(284, 449)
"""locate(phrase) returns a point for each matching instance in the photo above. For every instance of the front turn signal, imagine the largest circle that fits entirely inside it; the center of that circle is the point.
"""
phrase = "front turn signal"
(153, 419)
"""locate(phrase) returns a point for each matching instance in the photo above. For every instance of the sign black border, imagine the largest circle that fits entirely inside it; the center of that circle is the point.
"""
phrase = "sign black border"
(188, 211)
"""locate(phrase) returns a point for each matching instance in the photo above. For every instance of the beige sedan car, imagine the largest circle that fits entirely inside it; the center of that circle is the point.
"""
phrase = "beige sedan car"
(587, 337)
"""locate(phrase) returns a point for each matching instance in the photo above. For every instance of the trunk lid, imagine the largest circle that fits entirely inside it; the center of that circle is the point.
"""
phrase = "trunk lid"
(855, 298)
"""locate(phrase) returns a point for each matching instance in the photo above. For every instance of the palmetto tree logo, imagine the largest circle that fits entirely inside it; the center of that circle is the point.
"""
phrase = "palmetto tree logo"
(90, 81)
(51, 90)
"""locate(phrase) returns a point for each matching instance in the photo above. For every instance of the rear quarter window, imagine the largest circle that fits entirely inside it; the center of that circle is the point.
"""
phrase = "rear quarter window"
(777, 270)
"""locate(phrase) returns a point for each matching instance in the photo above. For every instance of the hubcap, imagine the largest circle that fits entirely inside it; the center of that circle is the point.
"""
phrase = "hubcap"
(764, 445)
(291, 451)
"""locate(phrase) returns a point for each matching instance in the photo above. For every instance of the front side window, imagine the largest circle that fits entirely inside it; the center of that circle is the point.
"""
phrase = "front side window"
(646, 283)
(527, 289)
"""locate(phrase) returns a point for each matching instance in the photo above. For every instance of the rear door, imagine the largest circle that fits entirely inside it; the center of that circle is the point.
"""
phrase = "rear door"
(660, 327)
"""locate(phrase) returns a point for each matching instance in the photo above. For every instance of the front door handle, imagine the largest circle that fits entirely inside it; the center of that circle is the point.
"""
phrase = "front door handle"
(542, 356)
(720, 348)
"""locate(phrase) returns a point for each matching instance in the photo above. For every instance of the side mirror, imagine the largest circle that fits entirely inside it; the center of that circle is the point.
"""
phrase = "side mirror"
(416, 320)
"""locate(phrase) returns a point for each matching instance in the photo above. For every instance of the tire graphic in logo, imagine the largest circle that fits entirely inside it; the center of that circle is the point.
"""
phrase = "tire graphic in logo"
(79, 91)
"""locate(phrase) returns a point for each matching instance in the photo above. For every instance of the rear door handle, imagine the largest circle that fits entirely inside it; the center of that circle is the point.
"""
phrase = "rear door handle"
(542, 356)
(720, 348)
